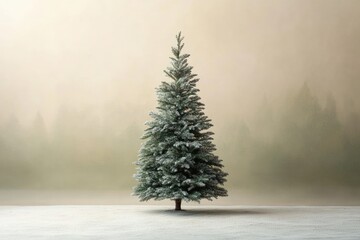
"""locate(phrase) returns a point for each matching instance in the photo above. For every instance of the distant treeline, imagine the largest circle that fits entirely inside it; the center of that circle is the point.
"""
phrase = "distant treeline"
(81, 150)
(301, 143)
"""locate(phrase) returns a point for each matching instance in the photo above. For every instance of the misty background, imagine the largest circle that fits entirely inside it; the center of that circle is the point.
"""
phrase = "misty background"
(279, 79)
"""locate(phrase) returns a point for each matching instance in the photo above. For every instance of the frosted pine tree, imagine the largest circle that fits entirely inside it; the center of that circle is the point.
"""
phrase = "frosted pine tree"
(177, 159)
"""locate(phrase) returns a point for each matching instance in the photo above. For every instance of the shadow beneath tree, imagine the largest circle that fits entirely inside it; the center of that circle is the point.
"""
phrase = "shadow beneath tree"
(215, 211)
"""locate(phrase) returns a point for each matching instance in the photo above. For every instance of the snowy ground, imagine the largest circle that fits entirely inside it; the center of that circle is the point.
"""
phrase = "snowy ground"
(125, 222)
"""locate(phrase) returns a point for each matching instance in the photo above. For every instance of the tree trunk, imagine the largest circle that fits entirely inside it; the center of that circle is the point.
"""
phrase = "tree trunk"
(177, 204)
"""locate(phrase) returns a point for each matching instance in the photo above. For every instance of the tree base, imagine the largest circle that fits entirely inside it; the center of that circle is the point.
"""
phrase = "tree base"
(177, 204)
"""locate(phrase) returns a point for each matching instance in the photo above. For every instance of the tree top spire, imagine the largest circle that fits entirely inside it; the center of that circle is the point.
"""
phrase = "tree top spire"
(180, 45)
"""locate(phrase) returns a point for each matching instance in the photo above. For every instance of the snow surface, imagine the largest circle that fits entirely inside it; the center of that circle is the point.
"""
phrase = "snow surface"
(161, 222)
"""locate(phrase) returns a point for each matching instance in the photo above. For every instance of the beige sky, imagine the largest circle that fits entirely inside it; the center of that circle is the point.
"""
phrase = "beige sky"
(104, 54)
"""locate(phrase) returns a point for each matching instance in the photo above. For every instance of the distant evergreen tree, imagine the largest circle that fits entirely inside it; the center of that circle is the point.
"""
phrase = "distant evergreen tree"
(177, 161)
(264, 121)
(38, 140)
(38, 132)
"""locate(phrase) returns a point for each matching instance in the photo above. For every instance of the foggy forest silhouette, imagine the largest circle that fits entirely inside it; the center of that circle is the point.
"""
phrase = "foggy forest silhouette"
(297, 144)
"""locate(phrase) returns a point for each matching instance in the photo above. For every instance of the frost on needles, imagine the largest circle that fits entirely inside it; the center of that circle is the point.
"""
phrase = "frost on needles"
(177, 159)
